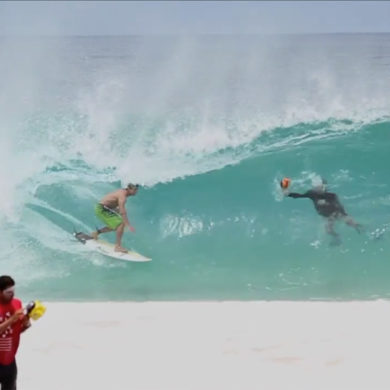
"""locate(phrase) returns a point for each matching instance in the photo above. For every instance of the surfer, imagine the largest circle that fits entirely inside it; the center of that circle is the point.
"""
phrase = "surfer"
(111, 210)
(328, 205)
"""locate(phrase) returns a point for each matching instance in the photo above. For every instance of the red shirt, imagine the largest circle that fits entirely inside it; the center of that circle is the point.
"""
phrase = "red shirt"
(9, 339)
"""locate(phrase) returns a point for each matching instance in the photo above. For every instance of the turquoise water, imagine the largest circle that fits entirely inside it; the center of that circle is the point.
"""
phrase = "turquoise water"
(208, 126)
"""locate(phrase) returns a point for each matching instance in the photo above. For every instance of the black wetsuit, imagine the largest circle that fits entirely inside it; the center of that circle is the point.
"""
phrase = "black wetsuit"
(326, 203)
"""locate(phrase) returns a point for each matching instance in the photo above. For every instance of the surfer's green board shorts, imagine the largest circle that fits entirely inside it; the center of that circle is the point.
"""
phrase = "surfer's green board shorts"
(109, 217)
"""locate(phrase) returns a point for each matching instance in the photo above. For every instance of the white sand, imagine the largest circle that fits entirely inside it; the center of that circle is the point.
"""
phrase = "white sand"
(208, 346)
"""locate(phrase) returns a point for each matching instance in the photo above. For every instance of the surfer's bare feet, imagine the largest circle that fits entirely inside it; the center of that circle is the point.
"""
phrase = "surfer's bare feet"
(94, 235)
(120, 249)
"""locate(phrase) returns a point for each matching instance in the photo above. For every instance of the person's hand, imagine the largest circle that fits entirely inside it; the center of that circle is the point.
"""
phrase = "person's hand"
(131, 228)
(26, 323)
(18, 315)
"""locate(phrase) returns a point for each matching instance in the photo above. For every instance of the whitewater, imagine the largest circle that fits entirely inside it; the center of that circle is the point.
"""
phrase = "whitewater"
(207, 126)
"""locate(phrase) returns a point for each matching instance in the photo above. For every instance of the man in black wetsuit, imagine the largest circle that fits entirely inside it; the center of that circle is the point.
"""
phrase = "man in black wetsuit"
(328, 205)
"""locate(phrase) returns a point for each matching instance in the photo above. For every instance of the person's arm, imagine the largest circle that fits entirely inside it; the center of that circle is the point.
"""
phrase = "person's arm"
(14, 318)
(123, 213)
(297, 195)
(26, 323)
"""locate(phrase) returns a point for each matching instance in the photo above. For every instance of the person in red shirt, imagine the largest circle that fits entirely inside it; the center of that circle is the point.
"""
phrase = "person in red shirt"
(13, 322)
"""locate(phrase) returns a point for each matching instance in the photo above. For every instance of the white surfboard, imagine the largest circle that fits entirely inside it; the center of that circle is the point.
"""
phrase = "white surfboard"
(108, 249)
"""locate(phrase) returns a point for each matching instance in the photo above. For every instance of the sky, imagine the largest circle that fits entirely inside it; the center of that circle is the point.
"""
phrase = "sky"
(191, 17)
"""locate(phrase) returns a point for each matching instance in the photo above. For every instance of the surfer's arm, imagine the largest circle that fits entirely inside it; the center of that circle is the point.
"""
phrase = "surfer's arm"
(123, 213)
(297, 195)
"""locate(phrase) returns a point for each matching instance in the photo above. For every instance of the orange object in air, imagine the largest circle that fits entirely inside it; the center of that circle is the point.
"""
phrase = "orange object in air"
(285, 182)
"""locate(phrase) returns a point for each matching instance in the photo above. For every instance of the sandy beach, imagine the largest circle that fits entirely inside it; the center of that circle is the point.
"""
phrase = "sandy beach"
(207, 346)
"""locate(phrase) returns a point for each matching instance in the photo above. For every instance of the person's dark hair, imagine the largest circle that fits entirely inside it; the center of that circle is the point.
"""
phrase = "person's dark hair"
(5, 282)
(132, 186)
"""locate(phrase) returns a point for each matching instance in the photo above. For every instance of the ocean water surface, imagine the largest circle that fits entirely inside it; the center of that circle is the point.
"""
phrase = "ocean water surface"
(208, 126)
